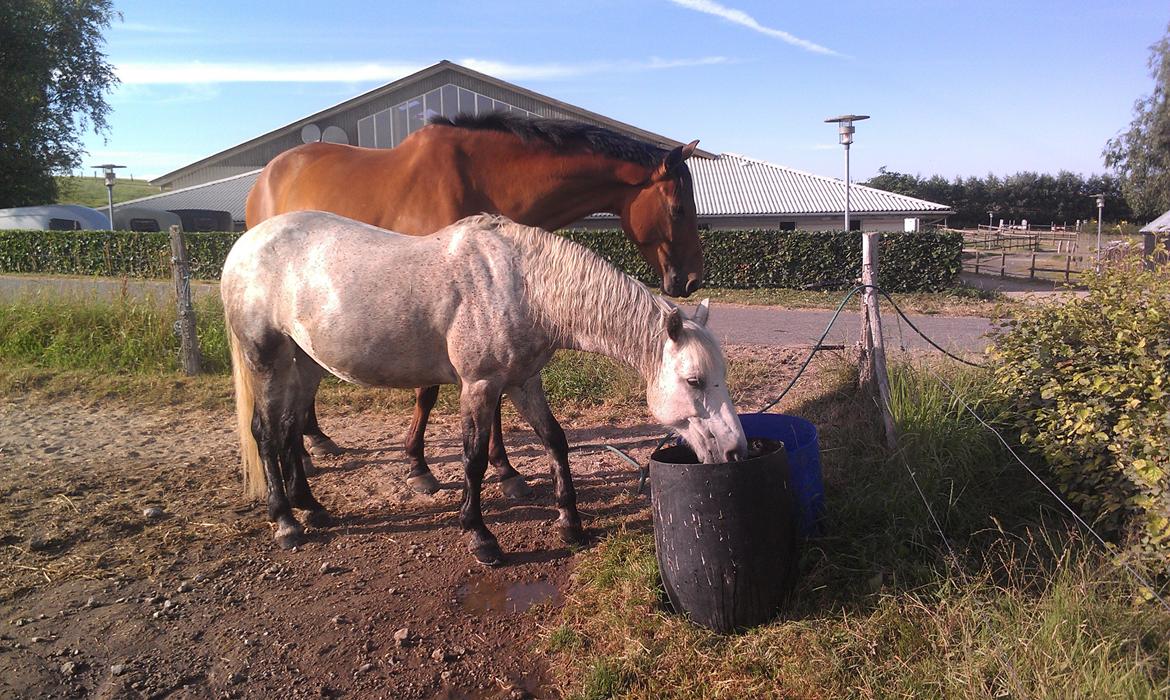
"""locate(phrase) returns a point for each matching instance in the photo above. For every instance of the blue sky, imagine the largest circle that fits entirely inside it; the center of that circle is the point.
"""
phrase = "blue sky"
(953, 88)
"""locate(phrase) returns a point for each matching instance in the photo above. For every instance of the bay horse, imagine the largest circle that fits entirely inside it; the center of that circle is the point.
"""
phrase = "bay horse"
(483, 303)
(539, 172)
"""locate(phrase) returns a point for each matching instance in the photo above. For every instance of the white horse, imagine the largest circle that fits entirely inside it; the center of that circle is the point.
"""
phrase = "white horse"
(483, 303)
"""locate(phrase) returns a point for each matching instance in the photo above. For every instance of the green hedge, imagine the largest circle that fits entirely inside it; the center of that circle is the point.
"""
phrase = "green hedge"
(1089, 380)
(110, 253)
(925, 261)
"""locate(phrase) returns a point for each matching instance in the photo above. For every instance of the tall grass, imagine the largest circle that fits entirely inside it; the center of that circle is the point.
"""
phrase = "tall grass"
(119, 336)
(1008, 600)
(131, 337)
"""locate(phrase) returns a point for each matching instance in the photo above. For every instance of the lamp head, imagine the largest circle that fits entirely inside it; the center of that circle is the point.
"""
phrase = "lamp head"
(845, 126)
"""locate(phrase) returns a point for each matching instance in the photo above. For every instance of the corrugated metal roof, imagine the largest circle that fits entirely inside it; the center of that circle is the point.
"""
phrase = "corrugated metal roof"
(229, 194)
(727, 185)
(1158, 225)
(735, 185)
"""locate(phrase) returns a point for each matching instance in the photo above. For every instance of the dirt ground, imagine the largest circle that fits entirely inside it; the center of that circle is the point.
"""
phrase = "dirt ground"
(132, 567)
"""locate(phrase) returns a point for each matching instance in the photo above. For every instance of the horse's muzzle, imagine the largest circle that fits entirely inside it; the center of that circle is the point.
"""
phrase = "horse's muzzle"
(674, 285)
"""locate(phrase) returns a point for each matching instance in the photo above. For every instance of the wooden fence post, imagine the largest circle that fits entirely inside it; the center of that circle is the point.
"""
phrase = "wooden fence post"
(1067, 267)
(185, 326)
(873, 377)
(976, 261)
(1002, 264)
(1032, 268)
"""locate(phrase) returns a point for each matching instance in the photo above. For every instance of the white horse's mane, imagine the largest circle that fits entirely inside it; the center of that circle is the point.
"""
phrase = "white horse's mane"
(584, 300)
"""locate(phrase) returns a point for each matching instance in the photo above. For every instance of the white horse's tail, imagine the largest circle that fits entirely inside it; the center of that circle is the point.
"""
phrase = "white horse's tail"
(255, 484)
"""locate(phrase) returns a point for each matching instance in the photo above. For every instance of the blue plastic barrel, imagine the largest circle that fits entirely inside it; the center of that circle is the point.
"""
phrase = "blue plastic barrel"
(804, 461)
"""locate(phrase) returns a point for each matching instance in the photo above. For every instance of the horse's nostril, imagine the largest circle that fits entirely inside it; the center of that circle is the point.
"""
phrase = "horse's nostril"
(673, 287)
(732, 455)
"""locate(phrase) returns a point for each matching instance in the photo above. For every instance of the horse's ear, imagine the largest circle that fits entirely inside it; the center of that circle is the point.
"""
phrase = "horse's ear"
(675, 158)
(702, 312)
(674, 323)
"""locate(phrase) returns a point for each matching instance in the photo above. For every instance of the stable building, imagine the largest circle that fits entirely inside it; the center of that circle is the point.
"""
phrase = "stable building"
(731, 191)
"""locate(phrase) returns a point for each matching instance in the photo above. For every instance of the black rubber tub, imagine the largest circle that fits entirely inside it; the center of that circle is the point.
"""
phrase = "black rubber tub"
(726, 535)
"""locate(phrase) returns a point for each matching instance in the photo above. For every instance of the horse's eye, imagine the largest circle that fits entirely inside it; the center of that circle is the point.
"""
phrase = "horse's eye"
(695, 382)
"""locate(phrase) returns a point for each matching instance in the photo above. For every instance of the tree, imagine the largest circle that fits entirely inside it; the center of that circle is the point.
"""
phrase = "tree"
(1141, 155)
(53, 82)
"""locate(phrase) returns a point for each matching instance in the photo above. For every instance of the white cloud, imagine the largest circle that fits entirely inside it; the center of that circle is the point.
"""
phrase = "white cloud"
(742, 18)
(195, 72)
(199, 72)
(549, 71)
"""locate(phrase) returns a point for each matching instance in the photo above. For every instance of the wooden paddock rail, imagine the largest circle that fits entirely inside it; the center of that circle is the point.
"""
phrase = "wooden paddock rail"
(1012, 239)
(1032, 269)
(989, 263)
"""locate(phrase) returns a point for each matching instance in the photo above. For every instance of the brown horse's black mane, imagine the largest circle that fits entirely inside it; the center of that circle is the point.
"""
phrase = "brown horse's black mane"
(562, 134)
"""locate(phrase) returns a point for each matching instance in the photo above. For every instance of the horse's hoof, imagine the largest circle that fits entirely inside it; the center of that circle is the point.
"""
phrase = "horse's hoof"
(290, 538)
(307, 463)
(516, 487)
(318, 518)
(324, 448)
(488, 554)
(425, 484)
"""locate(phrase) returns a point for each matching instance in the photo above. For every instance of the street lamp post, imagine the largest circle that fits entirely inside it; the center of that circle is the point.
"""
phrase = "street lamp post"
(872, 370)
(109, 171)
(845, 130)
(1100, 212)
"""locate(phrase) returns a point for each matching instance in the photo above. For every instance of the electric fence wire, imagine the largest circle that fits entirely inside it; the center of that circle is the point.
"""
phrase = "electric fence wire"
(1081, 521)
(644, 471)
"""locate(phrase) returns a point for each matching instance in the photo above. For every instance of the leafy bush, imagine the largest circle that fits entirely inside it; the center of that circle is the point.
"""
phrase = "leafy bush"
(750, 259)
(1089, 380)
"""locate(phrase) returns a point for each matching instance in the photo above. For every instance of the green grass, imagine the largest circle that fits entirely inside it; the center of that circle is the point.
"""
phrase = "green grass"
(1026, 608)
(91, 191)
(128, 347)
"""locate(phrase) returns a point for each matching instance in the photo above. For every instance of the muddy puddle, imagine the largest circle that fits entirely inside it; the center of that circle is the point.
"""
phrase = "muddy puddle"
(481, 597)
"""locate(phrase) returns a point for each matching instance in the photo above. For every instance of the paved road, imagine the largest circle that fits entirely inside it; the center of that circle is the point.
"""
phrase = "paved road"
(745, 325)
(763, 325)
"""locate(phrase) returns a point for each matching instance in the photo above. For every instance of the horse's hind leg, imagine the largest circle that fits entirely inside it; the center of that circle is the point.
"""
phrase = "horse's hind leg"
(512, 482)
(533, 407)
(320, 444)
(309, 377)
(420, 477)
(275, 427)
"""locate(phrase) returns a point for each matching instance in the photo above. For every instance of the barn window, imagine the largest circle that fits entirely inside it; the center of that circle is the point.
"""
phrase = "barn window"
(384, 129)
(366, 132)
(450, 100)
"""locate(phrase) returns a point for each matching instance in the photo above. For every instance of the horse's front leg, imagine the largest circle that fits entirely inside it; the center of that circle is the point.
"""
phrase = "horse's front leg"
(478, 402)
(533, 406)
(512, 483)
(420, 478)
